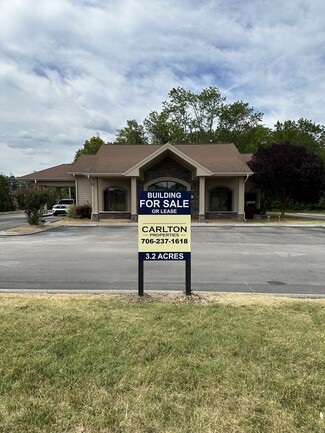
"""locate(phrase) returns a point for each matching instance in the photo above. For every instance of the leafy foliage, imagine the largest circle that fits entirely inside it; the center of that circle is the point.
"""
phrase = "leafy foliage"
(6, 201)
(304, 133)
(133, 133)
(204, 117)
(90, 147)
(188, 117)
(83, 211)
(288, 172)
(33, 202)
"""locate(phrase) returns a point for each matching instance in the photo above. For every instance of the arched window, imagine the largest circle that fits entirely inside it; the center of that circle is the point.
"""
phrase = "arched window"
(115, 199)
(167, 185)
(221, 199)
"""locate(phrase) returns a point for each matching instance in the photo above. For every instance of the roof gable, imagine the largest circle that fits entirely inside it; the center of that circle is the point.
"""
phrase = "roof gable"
(168, 149)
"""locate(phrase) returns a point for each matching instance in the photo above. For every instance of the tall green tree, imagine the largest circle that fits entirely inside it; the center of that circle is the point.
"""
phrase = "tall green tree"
(241, 124)
(161, 129)
(6, 201)
(195, 114)
(203, 117)
(188, 117)
(288, 172)
(90, 147)
(302, 133)
(133, 133)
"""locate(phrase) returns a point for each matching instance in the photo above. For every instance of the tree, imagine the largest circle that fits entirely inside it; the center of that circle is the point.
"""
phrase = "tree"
(288, 172)
(188, 117)
(161, 130)
(195, 115)
(240, 124)
(90, 147)
(302, 133)
(33, 202)
(133, 133)
(6, 202)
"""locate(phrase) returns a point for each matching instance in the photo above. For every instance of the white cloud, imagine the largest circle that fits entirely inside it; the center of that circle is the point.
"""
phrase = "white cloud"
(72, 68)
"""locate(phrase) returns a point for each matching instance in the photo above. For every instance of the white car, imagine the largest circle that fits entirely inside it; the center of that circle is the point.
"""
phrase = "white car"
(62, 206)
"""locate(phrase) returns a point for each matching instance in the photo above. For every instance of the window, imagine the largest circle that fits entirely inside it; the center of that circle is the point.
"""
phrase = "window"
(115, 199)
(221, 199)
(167, 185)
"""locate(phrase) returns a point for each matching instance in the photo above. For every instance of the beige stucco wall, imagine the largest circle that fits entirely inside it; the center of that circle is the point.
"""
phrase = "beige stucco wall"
(107, 182)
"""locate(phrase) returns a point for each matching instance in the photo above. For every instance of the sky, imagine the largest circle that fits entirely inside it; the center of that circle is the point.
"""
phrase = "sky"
(73, 69)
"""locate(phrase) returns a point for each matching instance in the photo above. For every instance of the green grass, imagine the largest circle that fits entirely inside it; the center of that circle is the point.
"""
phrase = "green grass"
(161, 364)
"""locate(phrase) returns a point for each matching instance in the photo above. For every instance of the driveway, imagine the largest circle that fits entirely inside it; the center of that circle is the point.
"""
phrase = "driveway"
(254, 259)
(10, 220)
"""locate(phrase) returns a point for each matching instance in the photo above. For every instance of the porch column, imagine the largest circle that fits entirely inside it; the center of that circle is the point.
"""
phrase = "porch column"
(94, 193)
(201, 198)
(134, 200)
(241, 198)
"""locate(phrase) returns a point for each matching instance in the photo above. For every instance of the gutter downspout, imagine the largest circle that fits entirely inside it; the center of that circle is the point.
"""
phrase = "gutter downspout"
(91, 180)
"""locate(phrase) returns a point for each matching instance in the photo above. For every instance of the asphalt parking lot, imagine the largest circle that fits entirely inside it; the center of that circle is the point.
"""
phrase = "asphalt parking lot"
(253, 259)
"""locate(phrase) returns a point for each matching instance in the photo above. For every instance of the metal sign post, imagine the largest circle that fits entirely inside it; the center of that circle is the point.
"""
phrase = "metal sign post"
(164, 231)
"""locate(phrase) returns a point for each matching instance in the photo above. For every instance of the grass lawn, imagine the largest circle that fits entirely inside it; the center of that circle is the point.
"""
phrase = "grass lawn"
(222, 363)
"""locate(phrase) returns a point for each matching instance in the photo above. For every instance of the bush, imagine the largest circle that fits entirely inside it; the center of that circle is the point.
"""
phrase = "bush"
(83, 211)
(72, 211)
(33, 202)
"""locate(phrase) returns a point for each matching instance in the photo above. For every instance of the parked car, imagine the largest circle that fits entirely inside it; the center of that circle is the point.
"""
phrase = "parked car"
(62, 206)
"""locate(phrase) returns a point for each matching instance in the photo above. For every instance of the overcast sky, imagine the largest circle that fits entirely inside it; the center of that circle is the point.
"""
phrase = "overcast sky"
(70, 69)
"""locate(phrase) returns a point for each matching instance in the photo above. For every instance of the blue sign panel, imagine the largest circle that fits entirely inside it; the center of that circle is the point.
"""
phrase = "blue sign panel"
(165, 203)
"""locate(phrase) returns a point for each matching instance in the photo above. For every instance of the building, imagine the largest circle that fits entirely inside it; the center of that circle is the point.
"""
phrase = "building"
(216, 174)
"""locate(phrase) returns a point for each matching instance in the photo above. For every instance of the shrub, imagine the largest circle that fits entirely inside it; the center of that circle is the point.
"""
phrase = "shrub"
(33, 202)
(83, 211)
(71, 213)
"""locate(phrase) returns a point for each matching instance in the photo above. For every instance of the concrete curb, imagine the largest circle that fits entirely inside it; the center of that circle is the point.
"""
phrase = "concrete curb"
(7, 233)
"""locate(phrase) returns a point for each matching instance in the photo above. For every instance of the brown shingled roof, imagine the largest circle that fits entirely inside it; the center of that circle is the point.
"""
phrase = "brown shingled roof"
(113, 158)
(119, 158)
(246, 157)
(59, 172)
(218, 158)
(82, 164)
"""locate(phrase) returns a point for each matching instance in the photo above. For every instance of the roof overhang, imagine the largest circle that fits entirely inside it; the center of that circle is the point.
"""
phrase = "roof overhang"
(236, 174)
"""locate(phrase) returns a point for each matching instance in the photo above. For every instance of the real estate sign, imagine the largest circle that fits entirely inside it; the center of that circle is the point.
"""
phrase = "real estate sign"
(164, 225)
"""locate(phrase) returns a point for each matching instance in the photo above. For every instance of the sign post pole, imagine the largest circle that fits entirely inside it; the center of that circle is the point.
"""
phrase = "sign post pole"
(164, 231)
(140, 277)
(188, 277)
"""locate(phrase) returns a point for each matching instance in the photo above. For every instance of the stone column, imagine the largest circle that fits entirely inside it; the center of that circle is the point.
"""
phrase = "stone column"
(94, 200)
(241, 198)
(134, 215)
(202, 199)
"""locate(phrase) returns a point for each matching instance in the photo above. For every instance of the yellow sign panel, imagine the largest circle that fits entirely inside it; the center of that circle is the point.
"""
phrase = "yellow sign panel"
(164, 233)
